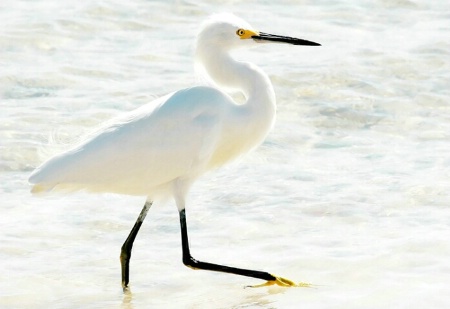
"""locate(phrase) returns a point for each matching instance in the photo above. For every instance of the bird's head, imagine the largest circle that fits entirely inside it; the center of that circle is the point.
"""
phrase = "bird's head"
(227, 31)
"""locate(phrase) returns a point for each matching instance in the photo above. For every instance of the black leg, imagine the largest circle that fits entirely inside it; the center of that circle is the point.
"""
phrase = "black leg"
(125, 252)
(189, 261)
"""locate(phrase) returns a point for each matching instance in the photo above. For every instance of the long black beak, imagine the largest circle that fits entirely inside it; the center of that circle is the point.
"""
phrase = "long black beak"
(282, 39)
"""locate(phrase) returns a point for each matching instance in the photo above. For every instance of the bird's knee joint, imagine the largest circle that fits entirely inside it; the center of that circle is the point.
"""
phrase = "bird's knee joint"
(124, 255)
(187, 262)
(190, 262)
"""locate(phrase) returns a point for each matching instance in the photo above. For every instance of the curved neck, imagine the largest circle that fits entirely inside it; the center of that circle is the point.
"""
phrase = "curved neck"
(242, 76)
(246, 124)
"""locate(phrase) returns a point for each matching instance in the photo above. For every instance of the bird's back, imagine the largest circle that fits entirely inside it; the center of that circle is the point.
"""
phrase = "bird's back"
(144, 150)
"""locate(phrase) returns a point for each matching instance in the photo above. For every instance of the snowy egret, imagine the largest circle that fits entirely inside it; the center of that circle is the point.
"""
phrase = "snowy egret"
(161, 148)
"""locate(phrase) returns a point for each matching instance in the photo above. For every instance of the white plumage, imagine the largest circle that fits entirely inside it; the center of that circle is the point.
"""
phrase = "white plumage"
(171, 141)
(161, 148)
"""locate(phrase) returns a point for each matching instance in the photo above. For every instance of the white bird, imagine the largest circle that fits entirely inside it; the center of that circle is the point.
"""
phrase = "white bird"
(161, 148)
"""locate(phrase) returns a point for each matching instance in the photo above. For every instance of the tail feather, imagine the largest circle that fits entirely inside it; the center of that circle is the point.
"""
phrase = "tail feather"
(41, 188)
(39, 182)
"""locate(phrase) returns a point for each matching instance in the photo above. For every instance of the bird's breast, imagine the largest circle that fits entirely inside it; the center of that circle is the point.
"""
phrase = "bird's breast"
(238, 141)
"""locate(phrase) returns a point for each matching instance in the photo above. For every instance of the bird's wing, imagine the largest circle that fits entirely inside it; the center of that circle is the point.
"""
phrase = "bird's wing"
(170, 138)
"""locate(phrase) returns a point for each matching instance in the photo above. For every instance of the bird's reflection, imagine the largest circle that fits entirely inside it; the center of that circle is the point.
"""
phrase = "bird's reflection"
(127, 301)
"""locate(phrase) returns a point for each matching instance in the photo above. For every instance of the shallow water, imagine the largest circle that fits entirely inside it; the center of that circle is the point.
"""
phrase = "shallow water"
(348, 192)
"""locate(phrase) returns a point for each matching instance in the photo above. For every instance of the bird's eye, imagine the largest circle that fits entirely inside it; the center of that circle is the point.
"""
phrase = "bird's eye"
(240, 32)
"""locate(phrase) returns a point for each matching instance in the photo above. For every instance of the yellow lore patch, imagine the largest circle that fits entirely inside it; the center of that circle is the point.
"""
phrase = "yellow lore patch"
(246, 34)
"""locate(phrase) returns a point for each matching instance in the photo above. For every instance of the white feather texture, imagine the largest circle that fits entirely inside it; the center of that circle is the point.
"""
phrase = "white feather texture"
(162, 147)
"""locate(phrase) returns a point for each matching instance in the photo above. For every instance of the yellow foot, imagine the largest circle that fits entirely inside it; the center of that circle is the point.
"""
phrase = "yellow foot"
(283, 282)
